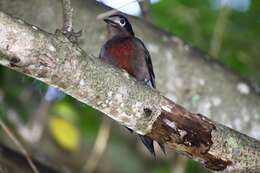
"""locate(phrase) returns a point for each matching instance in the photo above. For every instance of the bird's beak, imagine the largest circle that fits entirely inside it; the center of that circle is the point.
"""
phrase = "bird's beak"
(109, 20)
(106, 20)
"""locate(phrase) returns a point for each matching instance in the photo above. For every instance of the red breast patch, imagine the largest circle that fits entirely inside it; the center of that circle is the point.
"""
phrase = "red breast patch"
(123, 52)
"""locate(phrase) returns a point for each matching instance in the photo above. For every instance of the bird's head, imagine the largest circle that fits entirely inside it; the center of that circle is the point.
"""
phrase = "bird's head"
(118, 25)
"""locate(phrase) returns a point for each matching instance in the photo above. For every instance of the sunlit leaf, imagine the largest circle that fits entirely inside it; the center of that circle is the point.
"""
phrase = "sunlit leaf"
(65, 133)
(64, 109)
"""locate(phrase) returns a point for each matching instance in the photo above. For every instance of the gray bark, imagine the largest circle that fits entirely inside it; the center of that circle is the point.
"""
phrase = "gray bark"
(183, 73)
(54, 60)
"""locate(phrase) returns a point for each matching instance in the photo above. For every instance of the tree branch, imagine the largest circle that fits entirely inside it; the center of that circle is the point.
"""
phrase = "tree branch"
(183, 73)
(54, 60)
(67, 28)
(12, 161)
(19, 146)
(67, 16)
(99, 146)
(145, 7)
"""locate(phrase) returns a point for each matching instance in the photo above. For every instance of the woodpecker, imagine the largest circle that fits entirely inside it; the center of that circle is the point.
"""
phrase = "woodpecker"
(128, 52)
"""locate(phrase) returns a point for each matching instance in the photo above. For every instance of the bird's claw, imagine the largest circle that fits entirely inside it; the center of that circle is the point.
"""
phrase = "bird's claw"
(71, 35)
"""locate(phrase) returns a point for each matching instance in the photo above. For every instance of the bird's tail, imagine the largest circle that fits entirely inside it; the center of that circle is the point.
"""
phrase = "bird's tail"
(148, 143)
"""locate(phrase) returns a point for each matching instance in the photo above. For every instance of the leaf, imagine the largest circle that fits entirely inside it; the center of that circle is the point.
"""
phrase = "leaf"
(65, 110)
(65, 133)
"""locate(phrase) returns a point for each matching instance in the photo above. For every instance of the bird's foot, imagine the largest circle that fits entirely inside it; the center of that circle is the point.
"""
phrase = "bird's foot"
(71, 35)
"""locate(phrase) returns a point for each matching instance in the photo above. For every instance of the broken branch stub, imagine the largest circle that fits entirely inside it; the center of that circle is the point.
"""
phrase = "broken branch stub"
(216, 146)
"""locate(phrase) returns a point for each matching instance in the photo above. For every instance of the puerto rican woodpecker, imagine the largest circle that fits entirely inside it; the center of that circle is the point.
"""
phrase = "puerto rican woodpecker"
(123, 50)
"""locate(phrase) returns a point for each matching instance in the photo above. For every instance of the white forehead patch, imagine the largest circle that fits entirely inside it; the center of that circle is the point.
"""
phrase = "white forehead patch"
(120, 21)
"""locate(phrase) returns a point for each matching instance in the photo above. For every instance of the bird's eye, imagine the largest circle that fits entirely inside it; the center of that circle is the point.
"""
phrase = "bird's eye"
(122, 22)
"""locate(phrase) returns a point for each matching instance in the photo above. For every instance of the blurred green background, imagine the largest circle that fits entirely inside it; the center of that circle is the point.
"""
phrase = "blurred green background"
(228, 31)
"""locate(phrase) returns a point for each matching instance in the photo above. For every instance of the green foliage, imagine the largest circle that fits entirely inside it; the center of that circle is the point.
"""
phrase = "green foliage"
(195, 21)
(163, 168)
(15, 87)
(123, 158)
(194, 167)
(86, 118)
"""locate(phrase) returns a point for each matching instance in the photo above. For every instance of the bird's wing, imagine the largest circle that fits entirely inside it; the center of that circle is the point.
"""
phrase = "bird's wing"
(148, 62)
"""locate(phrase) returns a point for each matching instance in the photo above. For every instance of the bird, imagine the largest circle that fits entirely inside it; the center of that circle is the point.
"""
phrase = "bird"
(124, 50)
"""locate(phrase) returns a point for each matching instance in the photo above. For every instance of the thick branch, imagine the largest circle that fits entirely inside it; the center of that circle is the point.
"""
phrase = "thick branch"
(183, 73)
(56, 61)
